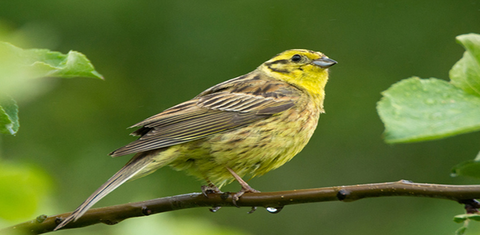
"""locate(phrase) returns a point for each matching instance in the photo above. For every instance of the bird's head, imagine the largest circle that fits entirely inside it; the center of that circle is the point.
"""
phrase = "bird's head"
(305, 69)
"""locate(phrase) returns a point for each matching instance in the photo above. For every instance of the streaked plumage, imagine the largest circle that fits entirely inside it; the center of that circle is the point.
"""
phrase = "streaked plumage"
(248, 125)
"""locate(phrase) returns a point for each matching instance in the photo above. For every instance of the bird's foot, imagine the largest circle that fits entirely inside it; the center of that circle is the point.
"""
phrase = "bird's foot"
(245, 189)
(237, 196)
(210, 189)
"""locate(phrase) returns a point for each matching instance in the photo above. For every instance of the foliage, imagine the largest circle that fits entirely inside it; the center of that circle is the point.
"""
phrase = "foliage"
(425, 109)
(20, 66)
(8, 116)
(22, 187)
(21, 190)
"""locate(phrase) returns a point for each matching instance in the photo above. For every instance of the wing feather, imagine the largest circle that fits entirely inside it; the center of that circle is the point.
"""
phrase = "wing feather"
(215, 110)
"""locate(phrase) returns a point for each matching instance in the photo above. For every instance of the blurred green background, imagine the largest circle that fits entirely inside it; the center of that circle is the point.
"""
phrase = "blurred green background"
(155, 54)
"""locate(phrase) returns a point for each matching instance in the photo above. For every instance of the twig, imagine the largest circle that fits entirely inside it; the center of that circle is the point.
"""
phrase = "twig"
(273, 201)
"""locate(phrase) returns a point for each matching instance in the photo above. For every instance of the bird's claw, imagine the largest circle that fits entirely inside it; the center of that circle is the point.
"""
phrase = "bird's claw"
(240, 193)
(210, 189)
(254, 208)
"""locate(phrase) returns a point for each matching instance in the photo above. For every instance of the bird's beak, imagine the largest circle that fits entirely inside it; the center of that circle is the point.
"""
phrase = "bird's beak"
(324, 62)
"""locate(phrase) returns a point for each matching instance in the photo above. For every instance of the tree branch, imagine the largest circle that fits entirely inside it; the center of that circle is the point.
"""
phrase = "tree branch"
(273, 201)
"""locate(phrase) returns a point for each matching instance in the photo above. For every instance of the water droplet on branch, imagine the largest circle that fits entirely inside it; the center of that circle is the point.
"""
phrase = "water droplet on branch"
(215, 209)
(274, 210)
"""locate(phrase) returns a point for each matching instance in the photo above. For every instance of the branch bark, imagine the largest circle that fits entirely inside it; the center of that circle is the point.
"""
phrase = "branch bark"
(273, 201)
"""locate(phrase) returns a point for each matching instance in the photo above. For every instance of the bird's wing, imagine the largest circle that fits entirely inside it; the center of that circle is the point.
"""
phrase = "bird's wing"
(215, 110)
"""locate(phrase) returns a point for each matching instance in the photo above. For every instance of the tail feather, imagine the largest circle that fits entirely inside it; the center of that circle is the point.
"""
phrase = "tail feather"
(129, 171)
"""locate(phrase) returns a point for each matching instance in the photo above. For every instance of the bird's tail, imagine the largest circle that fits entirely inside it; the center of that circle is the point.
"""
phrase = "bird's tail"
(135, 168)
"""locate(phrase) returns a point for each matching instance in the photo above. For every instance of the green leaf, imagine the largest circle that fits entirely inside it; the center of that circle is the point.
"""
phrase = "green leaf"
(466, 72)
(469, 223)
(22, 190)
(425, 109)
(417, 109)
(461, 230)
(469, 168)
(461, 218)
(46, 63)
(20, 69)
(8, 116)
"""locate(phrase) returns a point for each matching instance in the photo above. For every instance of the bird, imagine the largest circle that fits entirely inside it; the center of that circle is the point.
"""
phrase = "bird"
(248, 125)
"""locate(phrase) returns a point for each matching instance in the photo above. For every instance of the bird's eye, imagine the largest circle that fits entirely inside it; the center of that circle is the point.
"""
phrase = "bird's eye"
(296, 58)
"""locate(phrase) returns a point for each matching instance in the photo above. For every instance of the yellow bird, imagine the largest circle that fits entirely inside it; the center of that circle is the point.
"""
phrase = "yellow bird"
(248, 125)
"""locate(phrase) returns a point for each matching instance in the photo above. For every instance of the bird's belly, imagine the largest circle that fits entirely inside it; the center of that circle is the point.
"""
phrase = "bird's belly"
(249, 150)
